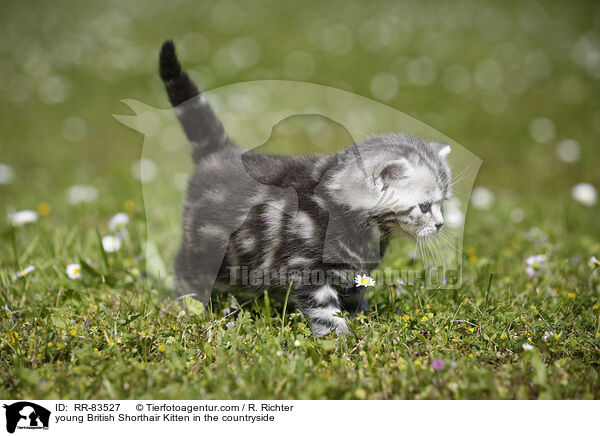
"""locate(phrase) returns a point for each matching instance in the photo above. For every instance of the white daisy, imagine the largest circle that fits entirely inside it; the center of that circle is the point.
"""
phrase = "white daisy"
(535, 259)
(21, 218)
(482, 198)
(550, 335)
(534, 263)
(74, 271)
(527, 347)
(119, 220)
(364, 280)
(585, 194)
(23, 272)
(111, 243)
(399, 284)
(6, 174)
(82, 194)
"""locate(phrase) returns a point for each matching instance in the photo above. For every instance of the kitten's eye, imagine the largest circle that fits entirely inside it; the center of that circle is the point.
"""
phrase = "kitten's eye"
(425, 207)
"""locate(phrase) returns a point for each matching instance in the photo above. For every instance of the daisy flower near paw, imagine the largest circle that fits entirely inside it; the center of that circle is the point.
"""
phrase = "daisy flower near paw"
(364, 280)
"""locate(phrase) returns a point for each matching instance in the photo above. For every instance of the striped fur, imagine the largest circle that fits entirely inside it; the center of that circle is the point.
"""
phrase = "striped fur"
(248, 214)
(202, 128)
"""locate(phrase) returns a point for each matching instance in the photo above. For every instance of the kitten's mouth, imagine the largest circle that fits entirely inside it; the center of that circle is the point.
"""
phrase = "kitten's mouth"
(426, 232)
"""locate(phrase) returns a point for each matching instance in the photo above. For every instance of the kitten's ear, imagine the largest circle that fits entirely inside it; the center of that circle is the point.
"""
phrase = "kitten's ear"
(394, 170)
(442, 148)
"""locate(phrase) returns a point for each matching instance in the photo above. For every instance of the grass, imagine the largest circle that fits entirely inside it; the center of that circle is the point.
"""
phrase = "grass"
(109, 336)
(112, 334)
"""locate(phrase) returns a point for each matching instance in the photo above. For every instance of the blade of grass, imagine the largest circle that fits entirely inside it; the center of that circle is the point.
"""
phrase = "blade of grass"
(488, 290)
(267, 308)
(13, 240)
(104, 256)
(287, 295)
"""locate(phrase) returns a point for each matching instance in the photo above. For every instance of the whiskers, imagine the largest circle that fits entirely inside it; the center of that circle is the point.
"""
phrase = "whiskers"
(468, 171)
(437, 250)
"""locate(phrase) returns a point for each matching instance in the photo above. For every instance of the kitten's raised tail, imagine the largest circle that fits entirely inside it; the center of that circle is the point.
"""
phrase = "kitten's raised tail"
(200, 124)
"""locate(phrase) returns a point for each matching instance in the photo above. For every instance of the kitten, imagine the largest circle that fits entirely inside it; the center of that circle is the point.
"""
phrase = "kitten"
(238, 215)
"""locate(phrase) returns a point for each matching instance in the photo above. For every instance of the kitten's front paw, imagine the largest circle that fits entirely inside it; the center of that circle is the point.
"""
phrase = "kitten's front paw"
(342, 328)
(338, 325)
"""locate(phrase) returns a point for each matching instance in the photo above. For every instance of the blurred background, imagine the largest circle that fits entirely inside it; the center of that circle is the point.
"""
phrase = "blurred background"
(515, 82)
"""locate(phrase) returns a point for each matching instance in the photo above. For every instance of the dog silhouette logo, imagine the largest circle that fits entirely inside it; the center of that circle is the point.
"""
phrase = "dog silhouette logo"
(26, 415)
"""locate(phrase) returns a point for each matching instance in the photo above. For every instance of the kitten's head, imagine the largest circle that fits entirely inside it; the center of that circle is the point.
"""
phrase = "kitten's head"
(398, 180)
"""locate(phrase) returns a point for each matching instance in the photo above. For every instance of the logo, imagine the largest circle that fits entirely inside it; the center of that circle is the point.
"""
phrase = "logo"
(268, 116)
(26, 415)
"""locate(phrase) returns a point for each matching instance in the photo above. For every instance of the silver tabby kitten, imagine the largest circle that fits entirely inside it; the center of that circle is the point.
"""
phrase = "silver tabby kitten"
(239, 221)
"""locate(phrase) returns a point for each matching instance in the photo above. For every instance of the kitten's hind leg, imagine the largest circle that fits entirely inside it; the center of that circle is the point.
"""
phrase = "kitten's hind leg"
(196, 272)
(321, 305)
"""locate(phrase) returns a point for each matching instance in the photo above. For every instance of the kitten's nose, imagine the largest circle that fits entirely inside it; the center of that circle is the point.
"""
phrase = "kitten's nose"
(439, 225)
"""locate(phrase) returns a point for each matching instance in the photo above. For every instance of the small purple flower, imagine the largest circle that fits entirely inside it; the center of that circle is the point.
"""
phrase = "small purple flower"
(438, 364)
(230, 324)
(453, 364)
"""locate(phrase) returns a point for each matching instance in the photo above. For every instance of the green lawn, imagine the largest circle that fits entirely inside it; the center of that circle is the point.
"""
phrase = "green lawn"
(112, 334)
